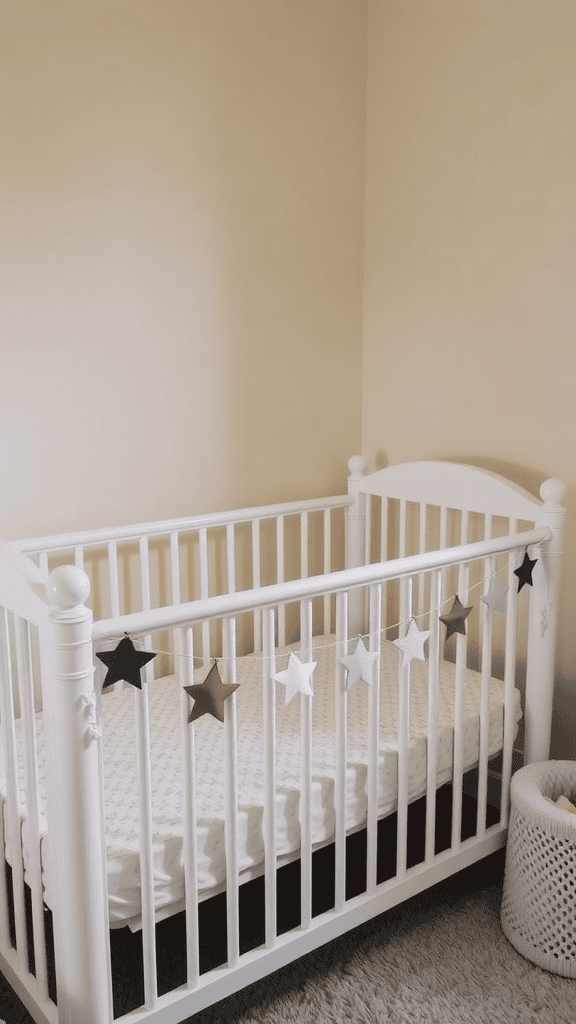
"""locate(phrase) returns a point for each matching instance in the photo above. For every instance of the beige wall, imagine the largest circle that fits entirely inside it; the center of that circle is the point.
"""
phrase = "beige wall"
(181, 190)
(469, 345)
(181, 231)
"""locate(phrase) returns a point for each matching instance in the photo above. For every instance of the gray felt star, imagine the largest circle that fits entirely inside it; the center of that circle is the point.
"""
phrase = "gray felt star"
(455, 619)
(210, 695)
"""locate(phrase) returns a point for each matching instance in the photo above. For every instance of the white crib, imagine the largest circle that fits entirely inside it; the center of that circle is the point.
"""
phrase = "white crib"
(119, 810)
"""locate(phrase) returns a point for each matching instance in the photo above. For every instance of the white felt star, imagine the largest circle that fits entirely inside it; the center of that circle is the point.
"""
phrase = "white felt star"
(412, 645)
(359, 666)
(297, 678)
(497, 596)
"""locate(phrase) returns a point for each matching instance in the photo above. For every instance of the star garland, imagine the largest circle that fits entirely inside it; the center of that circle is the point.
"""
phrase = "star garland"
(210, 695)
(524, 571)
(125, 662)
(297, 678)
(359, 666)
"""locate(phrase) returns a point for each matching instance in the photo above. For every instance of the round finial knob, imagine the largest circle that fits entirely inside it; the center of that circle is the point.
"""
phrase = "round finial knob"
(553, 491)
(357, 465)
(67, 586)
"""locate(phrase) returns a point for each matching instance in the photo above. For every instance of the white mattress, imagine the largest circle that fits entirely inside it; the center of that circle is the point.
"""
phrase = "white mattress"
(166, 757)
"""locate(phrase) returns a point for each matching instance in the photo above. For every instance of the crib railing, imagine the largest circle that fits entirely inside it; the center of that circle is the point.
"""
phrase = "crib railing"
(339, 587)
(204, 554)
(74, 772)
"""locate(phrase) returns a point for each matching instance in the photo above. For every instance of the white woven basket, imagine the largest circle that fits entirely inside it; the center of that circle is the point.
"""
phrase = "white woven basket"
(538, 912)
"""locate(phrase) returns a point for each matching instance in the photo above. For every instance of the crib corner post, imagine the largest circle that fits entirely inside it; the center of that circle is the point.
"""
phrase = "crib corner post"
(355, 537)
(543, 625)
(76, 825)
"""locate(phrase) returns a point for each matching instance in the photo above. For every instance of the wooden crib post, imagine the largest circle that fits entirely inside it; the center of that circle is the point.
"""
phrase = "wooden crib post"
(355, 539)
(542, 625)
(75, 804)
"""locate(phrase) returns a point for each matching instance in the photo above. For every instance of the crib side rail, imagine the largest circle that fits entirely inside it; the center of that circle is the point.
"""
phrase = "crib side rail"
(160, 563)
(163, 526)
(141, 623)
(407, 879)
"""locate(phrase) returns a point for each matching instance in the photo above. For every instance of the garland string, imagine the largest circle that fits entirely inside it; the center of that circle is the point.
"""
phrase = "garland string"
(113, 638)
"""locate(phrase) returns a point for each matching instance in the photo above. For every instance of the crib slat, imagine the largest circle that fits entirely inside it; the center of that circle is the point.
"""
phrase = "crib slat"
(306, 771)
(459, 694)
(443, 543)
(327, 567)
(402, 541)
(304, 545)
(384, 555)
(403, 744)
(340, 703)
(231, 558)
(146, 859)
(175, 568)
(509, 680)
(269, 708)
(231, 818)
(384, 529)
(113, 579)
(11, 770)
(142, 718)
(203, 554)
(256, 581)
(485, 674)
(280, 578)
(368, 528)
(422, 546)
(186, 674)
(26, 689)
(373, 737)
(432, 731)
(4, 916)
(79, 556)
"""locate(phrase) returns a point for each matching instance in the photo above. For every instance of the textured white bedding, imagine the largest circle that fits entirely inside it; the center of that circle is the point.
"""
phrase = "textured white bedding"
(121, 795)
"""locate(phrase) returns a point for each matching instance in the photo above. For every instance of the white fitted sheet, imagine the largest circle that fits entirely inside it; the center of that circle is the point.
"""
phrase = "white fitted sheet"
(121, 794)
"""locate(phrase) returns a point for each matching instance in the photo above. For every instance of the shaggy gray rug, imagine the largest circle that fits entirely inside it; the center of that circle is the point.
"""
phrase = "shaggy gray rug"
(439, 958)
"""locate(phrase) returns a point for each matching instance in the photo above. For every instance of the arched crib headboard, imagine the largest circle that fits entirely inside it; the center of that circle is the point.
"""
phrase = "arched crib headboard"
(460, 494)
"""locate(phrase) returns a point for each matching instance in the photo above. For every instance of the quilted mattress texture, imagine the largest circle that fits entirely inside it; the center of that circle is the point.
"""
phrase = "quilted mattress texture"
(121, 792)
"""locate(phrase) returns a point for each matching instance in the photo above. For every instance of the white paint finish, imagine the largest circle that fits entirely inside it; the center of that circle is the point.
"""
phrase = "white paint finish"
(433, 663)
(340, 738)
(269, 712)
(375, 619)
(26, 690)
(74, 803)
(453, 485)
(11, 768)
(231, 796)
(140, 623)
(306, 712)
(186, 672)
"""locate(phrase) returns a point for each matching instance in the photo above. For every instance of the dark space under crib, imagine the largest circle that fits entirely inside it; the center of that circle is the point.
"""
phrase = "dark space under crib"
(126, 946)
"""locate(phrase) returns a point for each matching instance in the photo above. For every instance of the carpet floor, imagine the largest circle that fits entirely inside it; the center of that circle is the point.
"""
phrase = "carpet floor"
(439, 958)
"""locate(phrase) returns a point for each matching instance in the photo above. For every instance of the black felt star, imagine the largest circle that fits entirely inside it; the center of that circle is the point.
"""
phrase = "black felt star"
(125, 663)
(524, 571)
(210, 695)
(455, 619)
